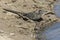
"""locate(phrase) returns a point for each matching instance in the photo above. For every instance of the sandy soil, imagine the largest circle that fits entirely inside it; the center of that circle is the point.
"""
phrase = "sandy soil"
(13, 27)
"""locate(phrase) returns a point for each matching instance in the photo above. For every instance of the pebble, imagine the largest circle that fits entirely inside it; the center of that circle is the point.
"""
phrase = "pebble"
(12, 34)
(1, 31)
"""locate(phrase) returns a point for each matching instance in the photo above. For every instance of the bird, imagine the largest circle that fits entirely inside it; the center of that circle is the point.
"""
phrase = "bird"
(35, 15)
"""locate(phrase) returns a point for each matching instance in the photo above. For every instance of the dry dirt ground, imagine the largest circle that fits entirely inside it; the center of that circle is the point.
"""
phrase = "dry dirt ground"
(13, 27)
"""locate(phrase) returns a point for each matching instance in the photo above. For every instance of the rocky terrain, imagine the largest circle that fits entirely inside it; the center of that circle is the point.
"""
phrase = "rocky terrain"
(26, 19)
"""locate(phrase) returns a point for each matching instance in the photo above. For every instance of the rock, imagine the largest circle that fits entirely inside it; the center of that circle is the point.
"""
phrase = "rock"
(1, 31)
(12, 34)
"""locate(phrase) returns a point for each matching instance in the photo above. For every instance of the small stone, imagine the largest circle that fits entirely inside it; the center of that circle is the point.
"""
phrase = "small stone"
(1, 31)
(12, 34)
